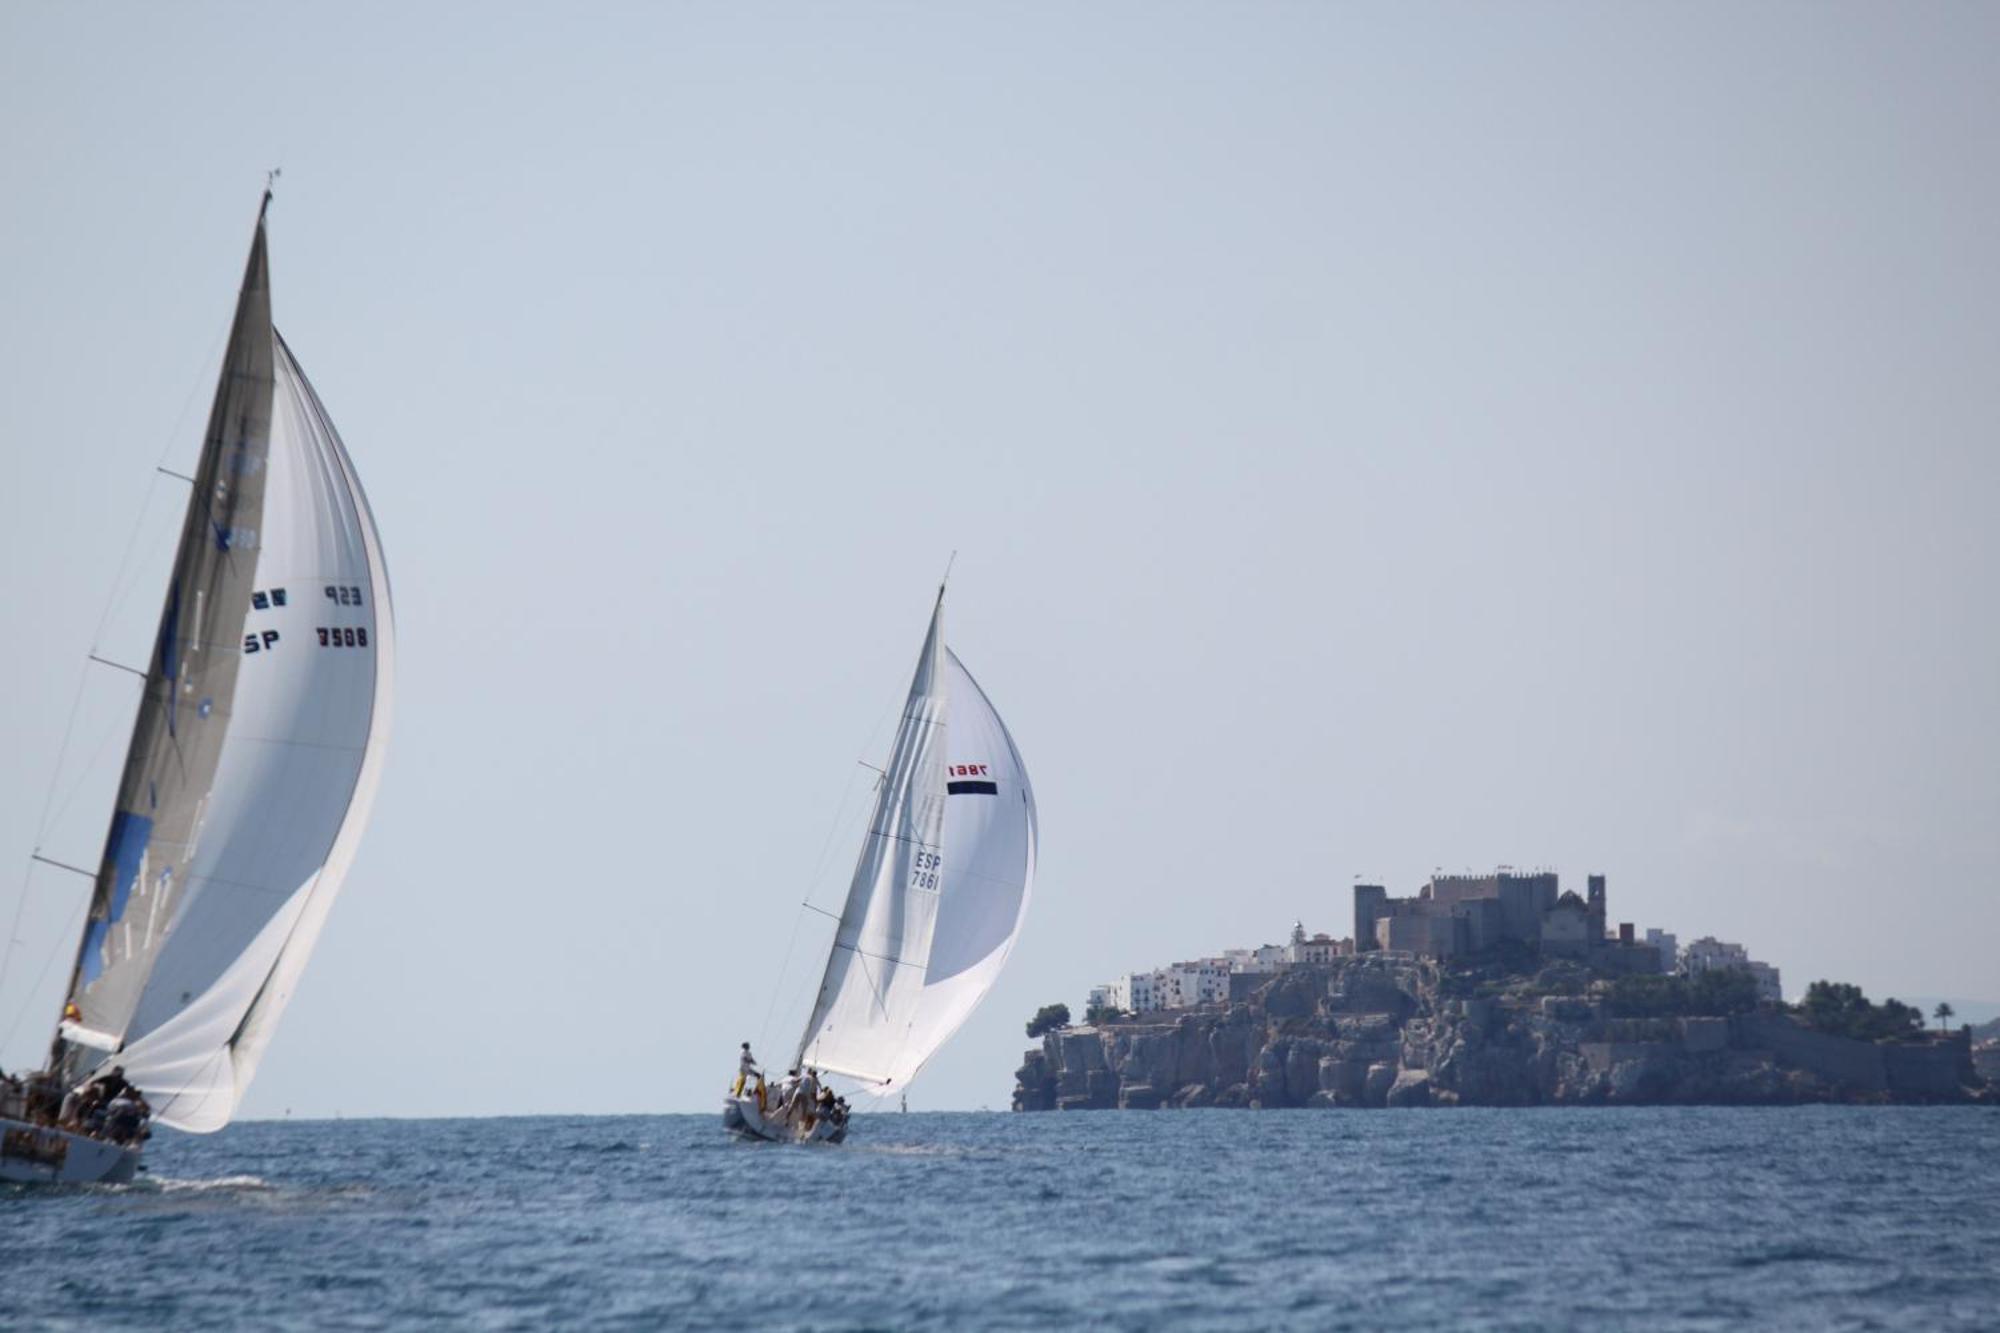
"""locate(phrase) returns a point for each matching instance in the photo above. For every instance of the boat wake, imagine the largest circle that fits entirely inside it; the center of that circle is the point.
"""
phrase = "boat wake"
(221, 1184)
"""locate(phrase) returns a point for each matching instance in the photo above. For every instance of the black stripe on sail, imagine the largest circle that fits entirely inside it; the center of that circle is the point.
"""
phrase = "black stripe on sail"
(972, 788)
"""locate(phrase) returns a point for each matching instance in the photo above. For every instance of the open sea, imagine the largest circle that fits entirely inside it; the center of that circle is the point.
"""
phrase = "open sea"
(1819, 1217)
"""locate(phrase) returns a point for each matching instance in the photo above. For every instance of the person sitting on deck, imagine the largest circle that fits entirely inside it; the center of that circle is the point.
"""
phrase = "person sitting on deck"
(125, 1117)
(113, 1082)
(45, 1098)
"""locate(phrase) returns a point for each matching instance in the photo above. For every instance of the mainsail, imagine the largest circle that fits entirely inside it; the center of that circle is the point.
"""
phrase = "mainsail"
(257, 749)
(941, 887)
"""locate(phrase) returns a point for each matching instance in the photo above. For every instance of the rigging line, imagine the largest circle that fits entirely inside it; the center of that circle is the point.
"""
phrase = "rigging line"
(181, 1093)
(91, 756)
(69, 728)
(812, 882)
(122, 572)
(831, 916)
(212, 357)
(873, 989)
(771, 1009)
(22, 1011)
(42, 827)
(14, 930)
(105, 661)
(63, 865)
(878, 957)
(167, 471)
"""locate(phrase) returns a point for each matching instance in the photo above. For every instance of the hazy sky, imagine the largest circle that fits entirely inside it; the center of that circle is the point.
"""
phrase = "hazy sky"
(1375, 438)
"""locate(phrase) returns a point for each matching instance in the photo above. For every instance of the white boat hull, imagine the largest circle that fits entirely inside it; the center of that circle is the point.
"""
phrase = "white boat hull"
(38, 1155)
(741, 1116)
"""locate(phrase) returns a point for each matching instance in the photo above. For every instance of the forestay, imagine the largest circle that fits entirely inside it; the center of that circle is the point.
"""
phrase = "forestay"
(951, 893)
(205, 932)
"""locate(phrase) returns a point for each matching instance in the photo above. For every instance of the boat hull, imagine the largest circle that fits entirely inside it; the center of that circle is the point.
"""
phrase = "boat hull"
(741, 1117)
(39, 1155)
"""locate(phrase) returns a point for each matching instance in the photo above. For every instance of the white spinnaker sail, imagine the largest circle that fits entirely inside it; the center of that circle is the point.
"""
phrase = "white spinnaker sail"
(873, 987)
(881, 1025)
(298, 770)
(989, 868)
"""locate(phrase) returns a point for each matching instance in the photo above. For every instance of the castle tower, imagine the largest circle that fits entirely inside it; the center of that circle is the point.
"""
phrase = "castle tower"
(1369, 902)
(1595, 902)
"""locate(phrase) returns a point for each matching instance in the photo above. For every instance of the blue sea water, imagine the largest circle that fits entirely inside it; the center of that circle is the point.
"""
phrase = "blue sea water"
(1820, 1217)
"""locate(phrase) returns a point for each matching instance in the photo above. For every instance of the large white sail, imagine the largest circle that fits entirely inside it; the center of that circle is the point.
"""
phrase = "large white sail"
(967, 879)
(874, 978)
(302, 726)
(989, 868)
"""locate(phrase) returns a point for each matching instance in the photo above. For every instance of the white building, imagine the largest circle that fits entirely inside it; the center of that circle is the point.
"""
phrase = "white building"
(1260, 961)
(1204, 981)
(1137, 992)
(1709, 954)
(1320, 948)
(1668, 945)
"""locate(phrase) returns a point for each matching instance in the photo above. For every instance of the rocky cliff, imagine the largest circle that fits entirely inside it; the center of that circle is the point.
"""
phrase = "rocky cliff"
(1381, 1031)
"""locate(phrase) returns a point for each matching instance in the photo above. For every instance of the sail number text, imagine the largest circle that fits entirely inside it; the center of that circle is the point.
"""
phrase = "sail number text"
(330, 636)
(924, 870)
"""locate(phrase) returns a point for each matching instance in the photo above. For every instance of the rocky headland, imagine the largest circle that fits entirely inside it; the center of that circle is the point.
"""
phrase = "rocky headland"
(1376, 1030)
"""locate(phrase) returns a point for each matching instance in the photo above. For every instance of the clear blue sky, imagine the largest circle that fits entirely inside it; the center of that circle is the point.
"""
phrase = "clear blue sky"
(1375, 438)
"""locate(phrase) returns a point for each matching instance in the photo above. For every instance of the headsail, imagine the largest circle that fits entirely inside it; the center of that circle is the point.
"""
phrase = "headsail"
(299, 734)
(881, 1025)
(875, 973)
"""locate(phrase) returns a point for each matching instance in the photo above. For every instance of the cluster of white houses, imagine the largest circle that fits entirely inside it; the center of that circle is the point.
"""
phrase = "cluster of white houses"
(1450, 916)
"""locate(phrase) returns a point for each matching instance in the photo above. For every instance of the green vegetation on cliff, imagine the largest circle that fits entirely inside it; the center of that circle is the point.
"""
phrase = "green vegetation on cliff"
(1048, 1018)
(1841, 1010)
(1710, 994)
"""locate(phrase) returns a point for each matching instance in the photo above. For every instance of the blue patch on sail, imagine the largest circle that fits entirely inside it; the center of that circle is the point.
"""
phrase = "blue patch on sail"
(93, 951)
(129, 835)
(169, 627)
(972, 789)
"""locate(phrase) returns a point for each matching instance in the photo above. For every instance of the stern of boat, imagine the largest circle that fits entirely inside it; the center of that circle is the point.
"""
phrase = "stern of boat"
(39, 1155)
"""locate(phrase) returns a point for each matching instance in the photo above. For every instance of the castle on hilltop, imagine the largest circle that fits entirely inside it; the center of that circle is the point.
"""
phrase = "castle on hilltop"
(1450, 916)
(1454, 915)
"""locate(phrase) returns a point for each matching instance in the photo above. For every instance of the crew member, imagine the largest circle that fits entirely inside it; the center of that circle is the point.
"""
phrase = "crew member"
(746, 1068)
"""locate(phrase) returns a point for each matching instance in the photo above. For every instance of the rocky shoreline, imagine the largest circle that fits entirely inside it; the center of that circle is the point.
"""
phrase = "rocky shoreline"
(1376, 1030)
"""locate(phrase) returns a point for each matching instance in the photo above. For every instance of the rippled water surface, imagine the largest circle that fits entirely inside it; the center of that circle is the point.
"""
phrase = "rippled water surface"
(1815, 1217)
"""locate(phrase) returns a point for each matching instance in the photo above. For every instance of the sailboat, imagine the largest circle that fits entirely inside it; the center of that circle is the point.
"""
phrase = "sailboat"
(253, 761)
(938, 896)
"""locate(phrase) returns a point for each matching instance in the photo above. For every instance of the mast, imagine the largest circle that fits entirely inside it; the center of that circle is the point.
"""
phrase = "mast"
(184, 711)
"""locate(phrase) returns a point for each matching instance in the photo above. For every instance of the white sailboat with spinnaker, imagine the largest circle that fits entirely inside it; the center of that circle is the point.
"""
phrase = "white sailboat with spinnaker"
(938, 896)
(252, 765)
